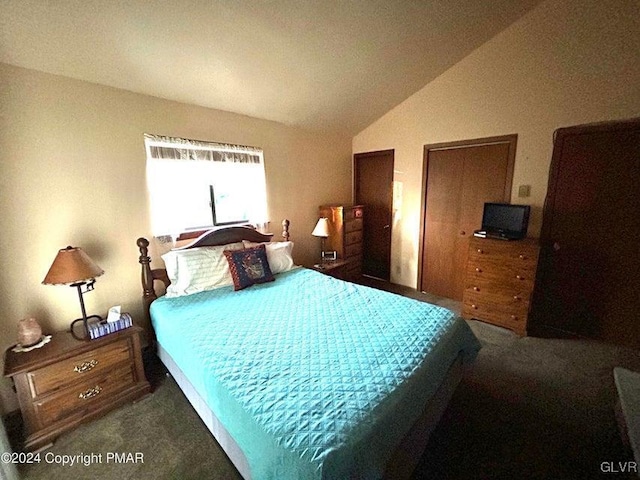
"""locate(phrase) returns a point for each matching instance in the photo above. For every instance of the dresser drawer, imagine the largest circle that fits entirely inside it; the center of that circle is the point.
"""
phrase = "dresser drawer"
(353, 250)
(513, 317)
(351, 213)
(498, 296)
(503, 253)
(353, 237)
(354, 269)
(80, 398)
(353, 225)
(506, 302)
(66, 372)
(504, 278)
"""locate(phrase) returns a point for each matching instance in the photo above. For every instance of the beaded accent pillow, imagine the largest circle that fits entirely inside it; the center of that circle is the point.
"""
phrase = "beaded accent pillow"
(249, 266)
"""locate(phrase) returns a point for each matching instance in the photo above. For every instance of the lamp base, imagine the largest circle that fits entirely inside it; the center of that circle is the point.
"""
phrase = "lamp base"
(85, 322)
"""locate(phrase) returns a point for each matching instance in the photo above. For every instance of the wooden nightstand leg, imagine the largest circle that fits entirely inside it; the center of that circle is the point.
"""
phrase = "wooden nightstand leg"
(44, 447)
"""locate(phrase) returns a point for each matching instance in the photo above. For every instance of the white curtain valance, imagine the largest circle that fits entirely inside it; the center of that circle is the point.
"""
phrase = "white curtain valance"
(195, 185)
(174, 148)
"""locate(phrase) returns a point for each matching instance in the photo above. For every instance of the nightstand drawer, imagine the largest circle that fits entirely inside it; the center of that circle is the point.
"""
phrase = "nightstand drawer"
(66, 372)
(80, 398)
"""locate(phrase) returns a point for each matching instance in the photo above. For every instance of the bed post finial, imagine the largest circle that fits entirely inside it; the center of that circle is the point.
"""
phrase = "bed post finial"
(148, 292)
(285, 229)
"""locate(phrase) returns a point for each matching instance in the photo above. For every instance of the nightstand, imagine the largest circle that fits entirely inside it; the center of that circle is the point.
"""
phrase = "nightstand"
(69, 381)
(336, 269)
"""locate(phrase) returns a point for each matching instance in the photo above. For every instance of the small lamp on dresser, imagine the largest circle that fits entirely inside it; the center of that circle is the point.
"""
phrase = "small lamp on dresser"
(321, 230)
(73, 267)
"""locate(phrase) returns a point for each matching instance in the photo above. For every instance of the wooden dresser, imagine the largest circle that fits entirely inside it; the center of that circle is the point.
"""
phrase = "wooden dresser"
(499, 281)
(69, 381)
(345, 236)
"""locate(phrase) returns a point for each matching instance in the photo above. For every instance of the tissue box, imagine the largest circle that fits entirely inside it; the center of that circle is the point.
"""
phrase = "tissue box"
(103, 328)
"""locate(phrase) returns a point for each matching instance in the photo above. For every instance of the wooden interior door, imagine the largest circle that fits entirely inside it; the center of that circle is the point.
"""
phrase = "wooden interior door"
(373, 185)
(588, 280)
(458, 179)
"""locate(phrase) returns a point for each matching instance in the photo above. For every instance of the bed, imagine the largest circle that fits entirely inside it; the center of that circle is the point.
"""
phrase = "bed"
(307, 376)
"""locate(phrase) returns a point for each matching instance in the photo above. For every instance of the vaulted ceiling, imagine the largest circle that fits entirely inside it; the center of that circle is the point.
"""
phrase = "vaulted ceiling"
(333, 65)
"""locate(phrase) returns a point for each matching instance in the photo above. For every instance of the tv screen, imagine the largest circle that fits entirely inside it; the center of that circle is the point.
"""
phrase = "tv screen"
(506, 220)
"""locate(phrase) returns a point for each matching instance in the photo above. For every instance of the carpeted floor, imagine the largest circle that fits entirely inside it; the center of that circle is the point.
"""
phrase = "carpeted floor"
(530, 408)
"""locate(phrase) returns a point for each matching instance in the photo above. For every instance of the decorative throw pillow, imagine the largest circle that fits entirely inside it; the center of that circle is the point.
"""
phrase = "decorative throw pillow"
(198, 269)
(278, 254)
(249, 266)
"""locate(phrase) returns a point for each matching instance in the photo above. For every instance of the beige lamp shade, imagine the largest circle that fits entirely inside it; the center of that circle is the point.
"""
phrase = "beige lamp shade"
(322, 228)
(72, 265)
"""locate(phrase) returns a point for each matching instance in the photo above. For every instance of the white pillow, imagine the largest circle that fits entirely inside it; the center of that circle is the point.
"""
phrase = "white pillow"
(198, 269)
(278, 255)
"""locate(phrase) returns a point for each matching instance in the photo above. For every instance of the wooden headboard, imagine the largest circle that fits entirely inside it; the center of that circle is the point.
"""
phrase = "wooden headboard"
(211, 238)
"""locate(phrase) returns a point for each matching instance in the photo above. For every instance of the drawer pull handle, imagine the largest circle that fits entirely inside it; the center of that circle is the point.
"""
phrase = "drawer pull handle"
(474, 306)
(92, 392)
(479, 270)
(514, 317)
(519, 277)
(516, 298)
(480, 250)
(476, 289)
(85, 366)
(522, 257)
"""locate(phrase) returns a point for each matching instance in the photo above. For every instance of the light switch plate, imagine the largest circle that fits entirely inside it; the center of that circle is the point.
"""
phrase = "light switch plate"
(524, 190)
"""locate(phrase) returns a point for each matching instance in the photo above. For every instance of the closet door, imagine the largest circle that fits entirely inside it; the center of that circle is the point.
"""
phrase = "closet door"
(459, 178)
(588, 282)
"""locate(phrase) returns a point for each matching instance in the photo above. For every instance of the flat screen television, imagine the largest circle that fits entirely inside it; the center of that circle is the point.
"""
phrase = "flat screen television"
(503, 220)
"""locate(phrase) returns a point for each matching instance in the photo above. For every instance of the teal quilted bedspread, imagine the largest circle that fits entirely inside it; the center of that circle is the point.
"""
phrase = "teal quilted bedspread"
(313, 377)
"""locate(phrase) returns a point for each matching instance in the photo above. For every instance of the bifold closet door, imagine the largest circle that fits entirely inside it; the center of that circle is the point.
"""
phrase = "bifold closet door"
(459, 179)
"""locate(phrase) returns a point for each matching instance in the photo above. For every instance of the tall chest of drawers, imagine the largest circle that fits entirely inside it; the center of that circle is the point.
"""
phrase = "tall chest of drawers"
(345, 235)
(69, 381)
(499, 281)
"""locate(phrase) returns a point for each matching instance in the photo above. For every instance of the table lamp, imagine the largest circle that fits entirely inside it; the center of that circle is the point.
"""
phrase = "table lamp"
(321, 230)
(73, 267)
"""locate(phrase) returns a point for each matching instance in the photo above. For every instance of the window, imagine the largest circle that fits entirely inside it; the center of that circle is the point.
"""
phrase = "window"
(195, 185)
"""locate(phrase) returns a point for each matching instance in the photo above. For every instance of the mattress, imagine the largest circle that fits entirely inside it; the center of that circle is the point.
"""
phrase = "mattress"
(314, 378)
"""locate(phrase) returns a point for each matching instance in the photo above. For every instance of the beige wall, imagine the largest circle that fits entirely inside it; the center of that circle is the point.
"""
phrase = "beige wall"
(72, 172)
(565, 63)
